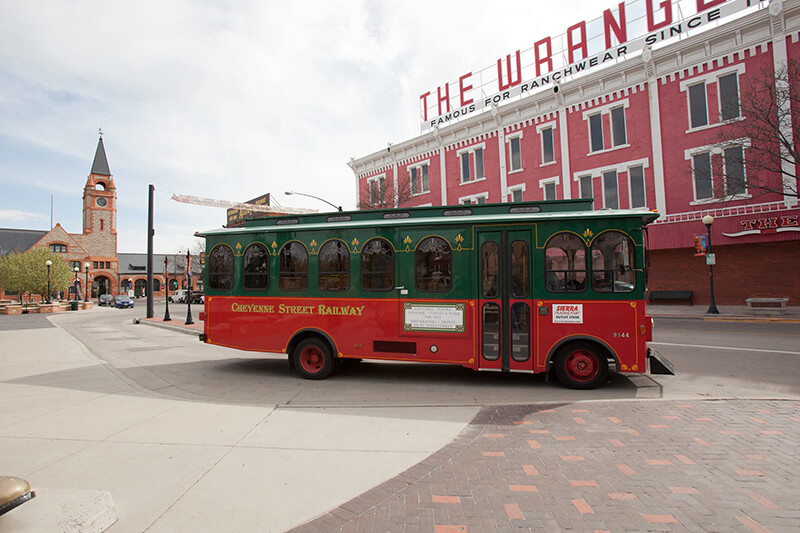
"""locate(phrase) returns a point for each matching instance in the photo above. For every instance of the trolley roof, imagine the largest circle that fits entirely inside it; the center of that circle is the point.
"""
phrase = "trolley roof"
(418, 216)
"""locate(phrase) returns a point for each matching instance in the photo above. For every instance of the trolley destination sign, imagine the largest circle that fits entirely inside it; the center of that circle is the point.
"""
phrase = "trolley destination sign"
(633, 26)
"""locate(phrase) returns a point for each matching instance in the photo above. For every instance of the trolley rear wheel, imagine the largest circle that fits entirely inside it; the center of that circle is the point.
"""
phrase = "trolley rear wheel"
(313, 359)
(581, 365)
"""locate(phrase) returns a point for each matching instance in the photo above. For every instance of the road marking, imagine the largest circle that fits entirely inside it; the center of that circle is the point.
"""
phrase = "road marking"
(723, 348)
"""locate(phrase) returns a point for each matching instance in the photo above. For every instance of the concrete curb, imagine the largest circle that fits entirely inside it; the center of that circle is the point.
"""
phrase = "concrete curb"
(172, 327)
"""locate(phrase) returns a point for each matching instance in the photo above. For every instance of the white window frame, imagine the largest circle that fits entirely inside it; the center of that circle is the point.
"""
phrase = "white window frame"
(513, 188)
(715, 149)
(418, 166)
(620, 167)
(556, 180)
(630, 187)
(591, 184)
(712, 78)
(470, 150)
(516, 135)
(540, 132)
(380, 179)
(473, 198)
(603, 111)
(603, 179)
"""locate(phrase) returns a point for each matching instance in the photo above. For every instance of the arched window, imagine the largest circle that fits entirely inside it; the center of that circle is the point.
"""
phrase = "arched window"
(377, 265)
(434, 265)
(156, 285)
(256, 267)
(293, 267)
(565, 263)
(220, 268)
(612, 263)
(334, 266)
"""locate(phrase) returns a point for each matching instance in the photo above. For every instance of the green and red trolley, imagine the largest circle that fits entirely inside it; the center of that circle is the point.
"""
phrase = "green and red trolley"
(518, 287)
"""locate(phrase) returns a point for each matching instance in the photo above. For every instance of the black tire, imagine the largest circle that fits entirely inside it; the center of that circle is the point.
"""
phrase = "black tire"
(581, 365)
(312, 358)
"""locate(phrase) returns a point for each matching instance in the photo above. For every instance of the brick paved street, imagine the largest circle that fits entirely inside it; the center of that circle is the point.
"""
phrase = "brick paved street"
(726, 465)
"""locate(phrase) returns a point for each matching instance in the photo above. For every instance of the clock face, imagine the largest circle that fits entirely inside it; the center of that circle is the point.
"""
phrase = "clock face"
(102, 202)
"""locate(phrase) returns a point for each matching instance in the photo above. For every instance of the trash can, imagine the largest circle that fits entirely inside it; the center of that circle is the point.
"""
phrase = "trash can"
(73, 306)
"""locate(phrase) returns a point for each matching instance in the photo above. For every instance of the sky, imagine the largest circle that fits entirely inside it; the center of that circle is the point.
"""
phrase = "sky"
(228, 99)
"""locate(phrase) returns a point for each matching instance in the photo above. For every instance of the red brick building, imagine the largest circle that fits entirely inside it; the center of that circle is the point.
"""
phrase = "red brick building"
(641, 132)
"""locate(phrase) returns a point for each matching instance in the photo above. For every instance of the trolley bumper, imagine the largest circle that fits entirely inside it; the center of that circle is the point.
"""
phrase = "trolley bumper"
(659, 364)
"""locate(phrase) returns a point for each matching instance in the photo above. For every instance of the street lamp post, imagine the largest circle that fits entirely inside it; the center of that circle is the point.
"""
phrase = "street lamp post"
(48, 263)
(189, 320)
(712, 306)
(76, 270)
(289, 193)
(167, 318)
(86, 282)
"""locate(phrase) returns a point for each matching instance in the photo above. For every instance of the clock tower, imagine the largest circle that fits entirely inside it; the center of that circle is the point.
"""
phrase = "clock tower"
(100, 206)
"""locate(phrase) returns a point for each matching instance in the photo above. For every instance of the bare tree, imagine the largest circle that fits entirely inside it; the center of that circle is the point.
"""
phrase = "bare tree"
(380, 194)
(768, 127)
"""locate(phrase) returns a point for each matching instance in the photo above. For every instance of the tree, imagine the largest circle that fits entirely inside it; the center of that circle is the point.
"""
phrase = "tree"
(382, 196)
(27, 272)
(769, 130)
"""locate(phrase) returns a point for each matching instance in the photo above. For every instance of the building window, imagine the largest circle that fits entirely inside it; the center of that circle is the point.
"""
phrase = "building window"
(471, 163)
(596, 132)
(734, 171)
(516, 193)
(586, 186)
(58, 248)
(74, 264)
(565, 263)
(610, 190)
(377, 265)
(619, 135)
(377, 190)
(293, 267)
(256, 267)
(474, 199)
(220, 268)
(434, 265)
(548, 147)
(729, 96)
(612, 263)
(701, 168)
(698, 109)
(636, 179)
(334, 266)
(514, 145)
(549, 188)
(418, 176)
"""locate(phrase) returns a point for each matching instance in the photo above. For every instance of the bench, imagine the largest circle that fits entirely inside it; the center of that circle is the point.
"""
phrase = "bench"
(671, 296)
(766, 305)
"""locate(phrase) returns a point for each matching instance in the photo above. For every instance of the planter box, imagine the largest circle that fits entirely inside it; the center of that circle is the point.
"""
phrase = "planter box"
(11, 310)
(49, 308)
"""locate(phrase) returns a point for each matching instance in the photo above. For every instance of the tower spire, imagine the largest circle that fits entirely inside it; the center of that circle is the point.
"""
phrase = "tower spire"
(100, 164)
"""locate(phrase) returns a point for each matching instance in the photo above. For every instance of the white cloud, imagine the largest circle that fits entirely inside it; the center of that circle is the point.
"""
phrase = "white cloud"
(14, 216)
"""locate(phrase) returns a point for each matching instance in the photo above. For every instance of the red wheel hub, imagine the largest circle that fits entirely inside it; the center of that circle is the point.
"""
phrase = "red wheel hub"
(582, 366)
(312, 359)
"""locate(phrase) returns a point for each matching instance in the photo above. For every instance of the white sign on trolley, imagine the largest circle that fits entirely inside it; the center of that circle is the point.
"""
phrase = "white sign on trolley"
(567, 313)
(633, 26)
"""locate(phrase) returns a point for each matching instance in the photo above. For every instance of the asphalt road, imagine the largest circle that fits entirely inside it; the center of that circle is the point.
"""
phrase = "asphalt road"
(713, 359)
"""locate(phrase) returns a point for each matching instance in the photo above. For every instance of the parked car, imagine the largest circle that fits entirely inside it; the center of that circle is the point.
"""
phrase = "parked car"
(178, 296)
(123, 301)
(198, 297)
(105, 299)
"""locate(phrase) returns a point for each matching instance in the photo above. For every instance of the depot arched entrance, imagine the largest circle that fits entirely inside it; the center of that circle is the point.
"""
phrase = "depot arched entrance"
(140, 288)
(100, 285)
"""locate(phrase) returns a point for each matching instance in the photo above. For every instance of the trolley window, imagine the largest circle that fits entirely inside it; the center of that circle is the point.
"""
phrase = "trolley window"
(377, 265)
(434, 265)
(220, 268)
(565, 263)
(293, 267)
(256, 267)
(612, 263)
(334, 266)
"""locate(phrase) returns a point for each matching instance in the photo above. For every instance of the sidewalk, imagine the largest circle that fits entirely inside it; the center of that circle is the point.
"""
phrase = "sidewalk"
(612, 466)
